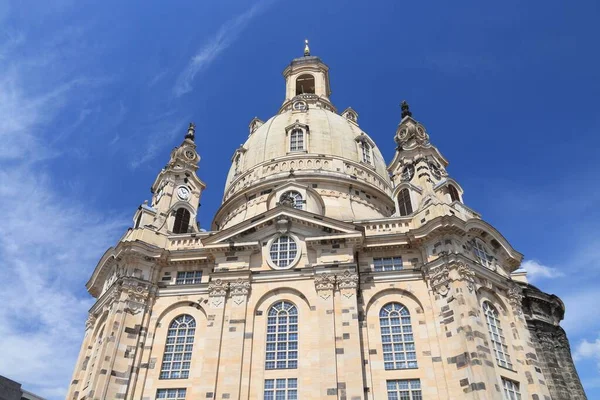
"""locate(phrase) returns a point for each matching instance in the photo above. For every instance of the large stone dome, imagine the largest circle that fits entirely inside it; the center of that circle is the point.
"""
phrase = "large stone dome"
(309, 151)
(328, 134)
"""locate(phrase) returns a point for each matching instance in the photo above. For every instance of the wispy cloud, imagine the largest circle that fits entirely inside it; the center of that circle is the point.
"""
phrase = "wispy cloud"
(164, 131)
(46, 244)
(537, 271)
(225, 36)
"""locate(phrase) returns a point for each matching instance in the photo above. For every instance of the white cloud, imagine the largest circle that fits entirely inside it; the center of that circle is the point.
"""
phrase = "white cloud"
(225, 36)
(49, 241)
(588, 350)
(536, 271)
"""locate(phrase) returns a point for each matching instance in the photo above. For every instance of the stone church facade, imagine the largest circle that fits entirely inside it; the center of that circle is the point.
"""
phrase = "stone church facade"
(327, 274)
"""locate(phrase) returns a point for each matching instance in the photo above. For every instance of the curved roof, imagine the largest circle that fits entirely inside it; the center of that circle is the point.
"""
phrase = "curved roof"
(329, 134)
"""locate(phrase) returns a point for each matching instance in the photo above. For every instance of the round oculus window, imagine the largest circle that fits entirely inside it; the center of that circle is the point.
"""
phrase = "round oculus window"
(283, 251)
(299, 105)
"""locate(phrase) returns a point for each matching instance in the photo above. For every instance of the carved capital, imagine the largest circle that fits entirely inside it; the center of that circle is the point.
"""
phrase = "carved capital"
(239, 290)
(324, 284)
(218, 288)
(467, 275)
(438, 279)
(347, 280)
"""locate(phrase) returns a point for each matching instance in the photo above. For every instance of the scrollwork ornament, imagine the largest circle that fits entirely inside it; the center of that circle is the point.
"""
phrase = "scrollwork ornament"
(324, 284)
(439, 279)
(467, 274)
(239, 287)
(90, 322)
(347, 280)
(515, 297)
(218, 288)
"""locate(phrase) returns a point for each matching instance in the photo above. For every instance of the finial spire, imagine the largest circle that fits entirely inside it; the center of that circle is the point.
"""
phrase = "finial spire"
(306, 48)
(405, 109)
(191, 131)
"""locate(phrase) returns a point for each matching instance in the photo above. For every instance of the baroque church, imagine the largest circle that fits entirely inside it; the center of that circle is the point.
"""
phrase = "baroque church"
(327, 274)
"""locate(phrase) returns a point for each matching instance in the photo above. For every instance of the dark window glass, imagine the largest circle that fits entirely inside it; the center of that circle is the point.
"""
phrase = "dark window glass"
(182, 221)
(453, 193)
(404, 204)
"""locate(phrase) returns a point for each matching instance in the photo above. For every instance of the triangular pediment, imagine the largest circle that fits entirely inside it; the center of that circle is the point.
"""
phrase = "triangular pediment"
(283, 218)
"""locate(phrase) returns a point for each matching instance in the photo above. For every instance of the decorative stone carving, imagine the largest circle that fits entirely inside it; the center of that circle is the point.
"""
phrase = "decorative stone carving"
(283, 224)
(239, 290)
(515, 297)
(411, 134)
(466, 274)
(90, 322)
(218, 288)
(347, 280)
(324, 284)
(439, 279)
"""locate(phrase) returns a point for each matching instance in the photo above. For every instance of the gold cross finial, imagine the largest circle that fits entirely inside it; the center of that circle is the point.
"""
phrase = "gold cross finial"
(306, 49)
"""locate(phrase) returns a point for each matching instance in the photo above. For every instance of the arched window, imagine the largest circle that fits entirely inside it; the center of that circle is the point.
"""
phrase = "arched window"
(178, 348)
(481, 252)
(397, 337)
(366, 152)
(282, 336)
(138, 221)
(495, 329)
(453, 193)
(305, 84)
(297, 140)
(296, 196)
(182, 221)
(404, 204)
(283, 251)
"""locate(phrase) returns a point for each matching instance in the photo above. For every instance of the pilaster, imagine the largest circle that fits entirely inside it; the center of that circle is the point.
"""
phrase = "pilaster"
(324, 286)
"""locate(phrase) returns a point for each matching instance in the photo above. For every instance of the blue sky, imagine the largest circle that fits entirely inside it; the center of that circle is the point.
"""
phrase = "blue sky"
(94, 95)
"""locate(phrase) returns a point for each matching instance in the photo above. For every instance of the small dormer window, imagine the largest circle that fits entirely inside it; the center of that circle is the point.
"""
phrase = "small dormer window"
(366, 152)
(297, 140)
(305, 84)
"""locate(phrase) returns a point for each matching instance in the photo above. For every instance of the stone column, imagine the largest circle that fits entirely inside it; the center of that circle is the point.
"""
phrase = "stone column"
(230, 367)
(217, 292)
(348, 346)
(324, 285)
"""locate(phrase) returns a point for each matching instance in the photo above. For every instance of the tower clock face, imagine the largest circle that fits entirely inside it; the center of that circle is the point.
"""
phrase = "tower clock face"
(183, 192)
(189, 154)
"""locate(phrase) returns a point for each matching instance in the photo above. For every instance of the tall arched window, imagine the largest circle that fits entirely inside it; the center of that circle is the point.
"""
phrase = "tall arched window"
(282, 336)
(305, 84)
(404, 204)
(495, 329)
(182, 221)
(366, 152)
(296, 196)
(178, 348)
(453, 193)
(297, 140)
(397, 337)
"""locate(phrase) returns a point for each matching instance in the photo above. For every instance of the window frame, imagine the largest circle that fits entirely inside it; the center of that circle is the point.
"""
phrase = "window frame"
(168, 391)
(366, 152)
(405, 207)
(297, 136)
(170, 356)
(511, 389)
(304, 77)
(498, 341)
(299, 200)
(400, 350)
(178, 223)
(414, 393)
(483, 256)
(276, 344)
(387, 262)
(274, 263)
(183, 280)
(290, 392)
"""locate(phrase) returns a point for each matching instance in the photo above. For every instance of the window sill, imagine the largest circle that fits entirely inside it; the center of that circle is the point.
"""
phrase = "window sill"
(507, 369)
